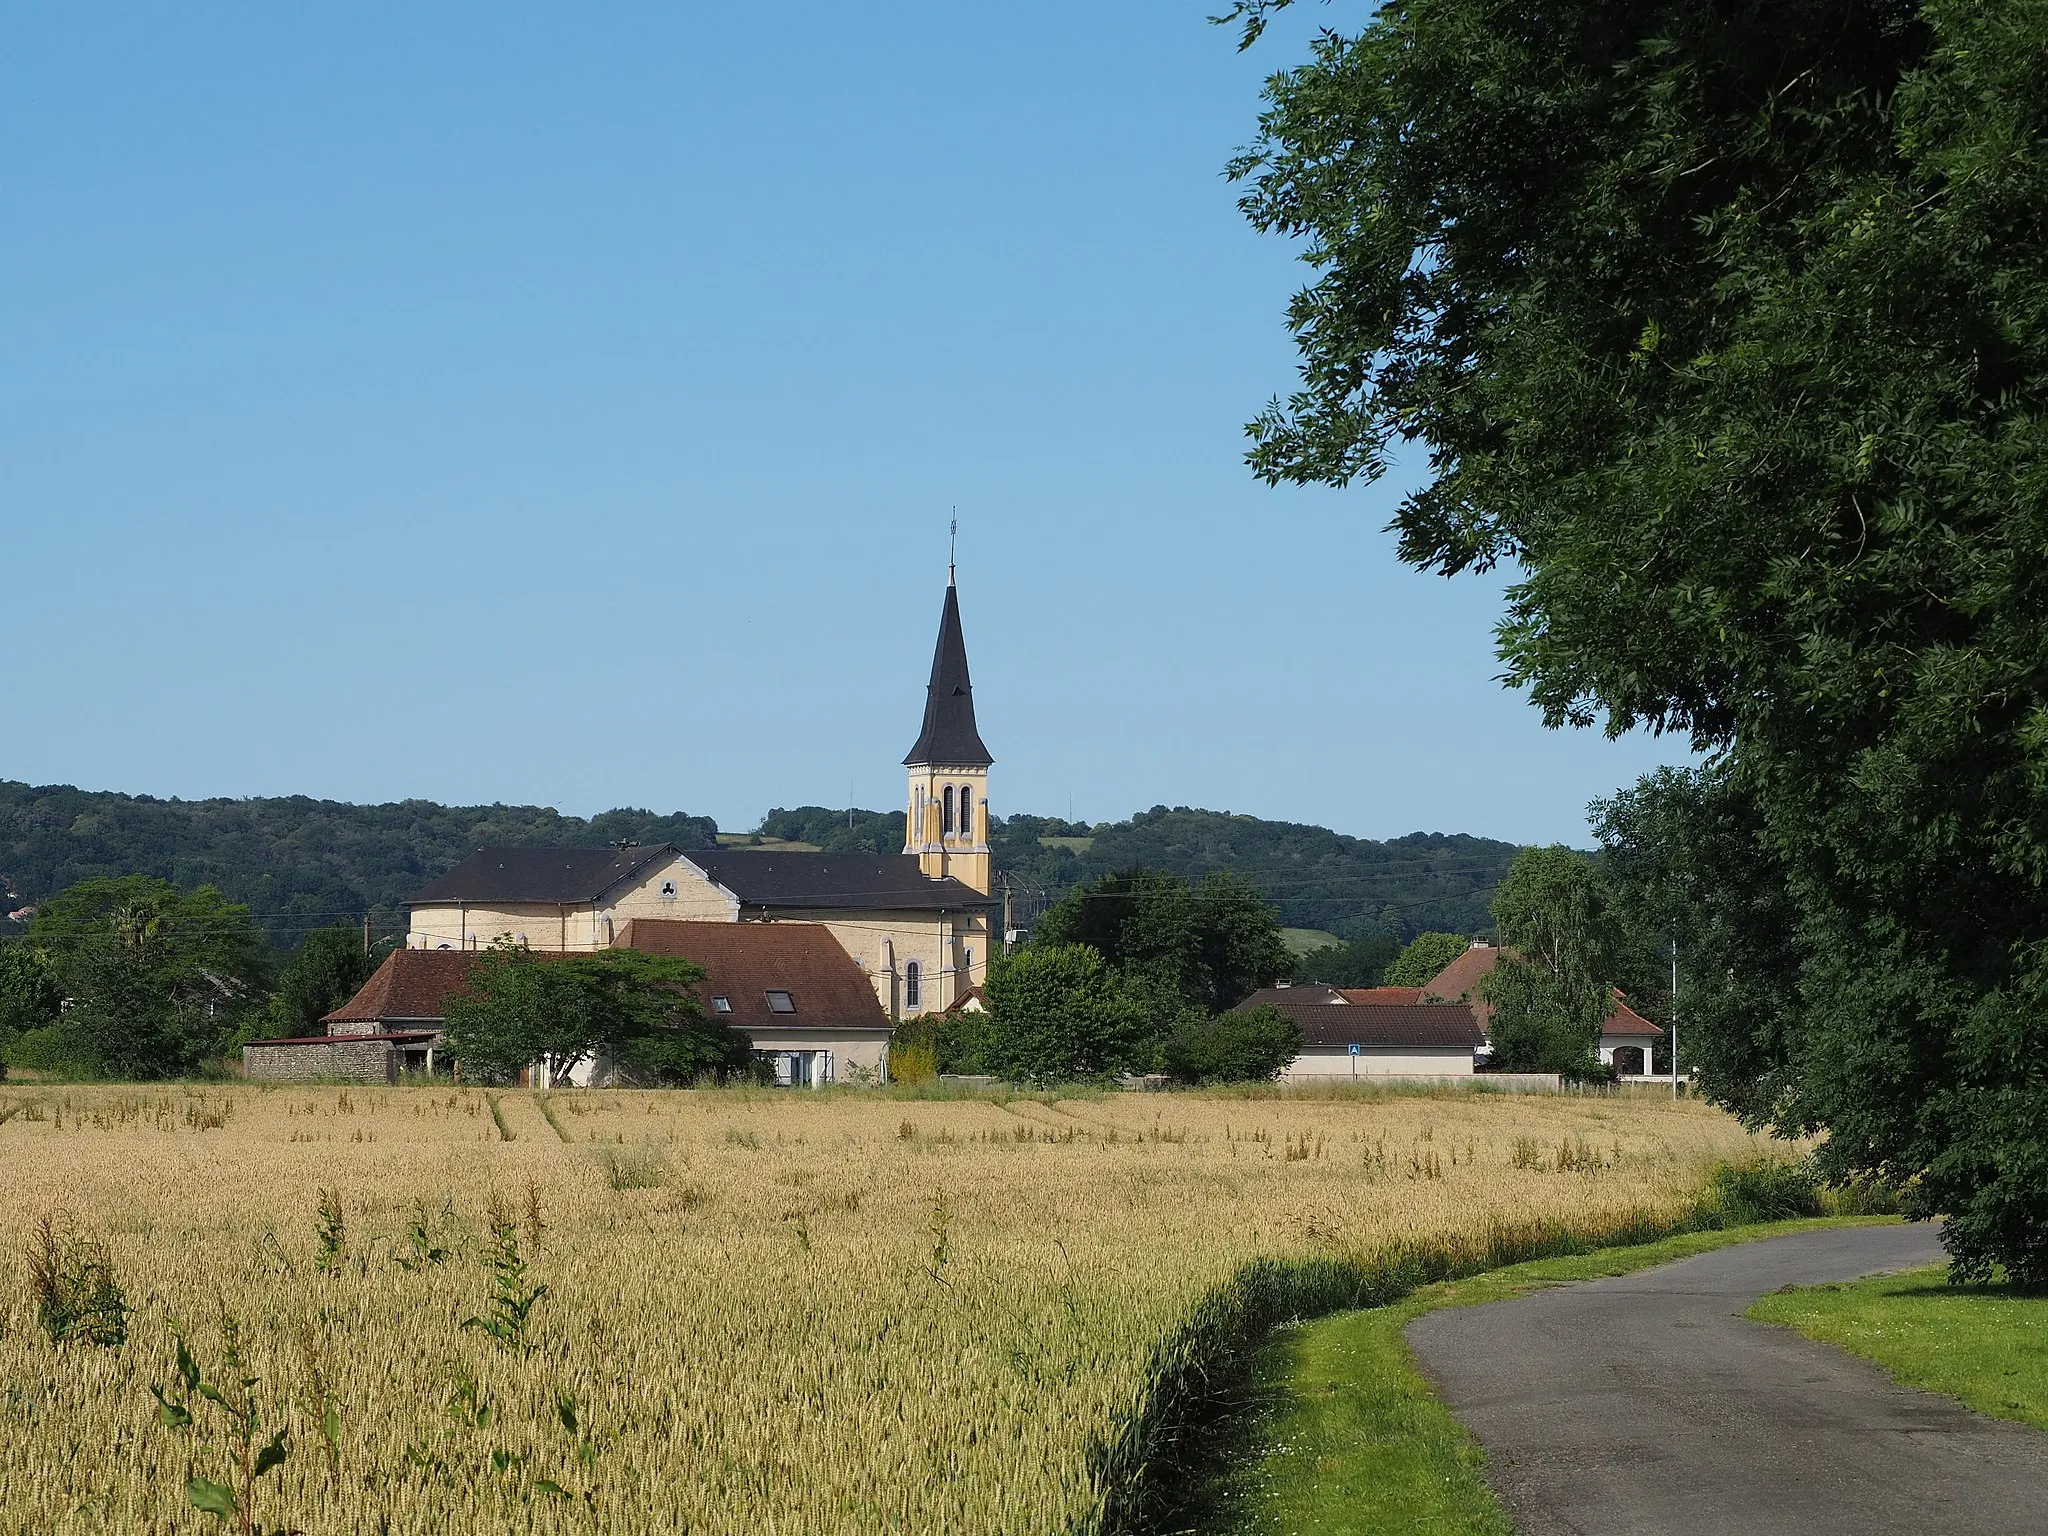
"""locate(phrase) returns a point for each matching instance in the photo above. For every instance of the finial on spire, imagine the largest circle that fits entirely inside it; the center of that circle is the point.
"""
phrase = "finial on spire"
(952, 544)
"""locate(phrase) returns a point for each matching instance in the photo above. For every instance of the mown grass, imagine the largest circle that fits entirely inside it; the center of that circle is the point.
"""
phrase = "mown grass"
(1983, 1345)
(1338, 1434)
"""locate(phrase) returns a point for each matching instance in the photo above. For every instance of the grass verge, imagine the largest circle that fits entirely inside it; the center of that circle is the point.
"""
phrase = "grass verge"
(1984, 1345)
(1327, 1427)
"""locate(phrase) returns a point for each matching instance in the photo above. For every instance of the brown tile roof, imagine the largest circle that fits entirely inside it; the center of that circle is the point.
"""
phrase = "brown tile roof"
(1397, 995)
(1455, 981)
(744, 961)
(410, 984)
(1386, 1026)
(1626, 1021)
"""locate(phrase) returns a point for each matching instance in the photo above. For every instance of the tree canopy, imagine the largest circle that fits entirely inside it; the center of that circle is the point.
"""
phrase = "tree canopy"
(520, 1008)
(1728, 326)
(328, 969)
(1058, 1013)
(1553, 985)
(1180, 947)
(1423, 958)
(156, 979)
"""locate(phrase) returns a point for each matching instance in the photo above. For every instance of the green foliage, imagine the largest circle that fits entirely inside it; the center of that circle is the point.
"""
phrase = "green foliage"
(233, 1396)
(327, 970)
(1424, 957)
(1180, 948)
(1553, 986)
(1767, 1189)
(1360, 963)
(1724, 326)
(1251, 1046)
(521, 1007)
(77, 1297)
(1056, 1013)
(513, 1297)
(157, 978)
(1684, 857)
(29, 994)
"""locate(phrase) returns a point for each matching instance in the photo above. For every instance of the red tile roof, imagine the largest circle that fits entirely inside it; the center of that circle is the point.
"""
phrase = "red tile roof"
(410, 984)
(745, 961)
(1454, 983)
(1395, 995)
(1626, 1021)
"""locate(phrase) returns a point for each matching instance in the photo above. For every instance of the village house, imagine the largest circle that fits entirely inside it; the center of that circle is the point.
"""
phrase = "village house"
(806, 1008)
(1626, 1039)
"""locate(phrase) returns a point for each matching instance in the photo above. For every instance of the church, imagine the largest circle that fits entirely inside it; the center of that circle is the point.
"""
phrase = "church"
(920, 924)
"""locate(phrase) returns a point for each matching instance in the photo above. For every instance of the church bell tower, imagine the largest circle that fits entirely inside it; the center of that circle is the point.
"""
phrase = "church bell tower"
(946, 824)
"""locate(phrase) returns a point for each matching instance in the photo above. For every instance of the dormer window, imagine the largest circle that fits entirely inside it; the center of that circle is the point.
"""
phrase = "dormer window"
(721, 1005)
(780, 1002)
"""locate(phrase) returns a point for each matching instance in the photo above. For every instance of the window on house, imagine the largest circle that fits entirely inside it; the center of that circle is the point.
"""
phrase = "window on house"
(780, 1002)
(721, 1005)
(966, 811)
(913, 978)
(668, 890)
(946, 816)
(970, 960)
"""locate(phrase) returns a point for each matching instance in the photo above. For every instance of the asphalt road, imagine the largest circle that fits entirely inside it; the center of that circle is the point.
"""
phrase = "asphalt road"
(1649, 1404)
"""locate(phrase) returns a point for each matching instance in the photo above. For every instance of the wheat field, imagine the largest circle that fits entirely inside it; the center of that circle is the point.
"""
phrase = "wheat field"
(764, 1312)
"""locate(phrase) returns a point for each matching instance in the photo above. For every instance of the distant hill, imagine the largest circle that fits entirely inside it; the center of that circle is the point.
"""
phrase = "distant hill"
(301, 863)
(1316, 878)
(297, 863)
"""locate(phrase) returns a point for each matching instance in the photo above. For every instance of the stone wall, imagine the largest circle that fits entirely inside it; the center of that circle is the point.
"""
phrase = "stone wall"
(363, 1059)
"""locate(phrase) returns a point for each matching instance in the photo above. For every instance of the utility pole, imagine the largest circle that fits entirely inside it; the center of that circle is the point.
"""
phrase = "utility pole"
(1007, 930)
(366, 933)
(1674, 1017)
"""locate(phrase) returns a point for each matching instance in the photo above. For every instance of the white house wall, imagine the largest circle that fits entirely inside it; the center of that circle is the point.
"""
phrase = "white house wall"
(1322, 1062)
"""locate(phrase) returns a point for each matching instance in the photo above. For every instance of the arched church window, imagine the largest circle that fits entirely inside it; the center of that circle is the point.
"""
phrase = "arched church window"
(966, 810)
(913, 988)
(946, 816)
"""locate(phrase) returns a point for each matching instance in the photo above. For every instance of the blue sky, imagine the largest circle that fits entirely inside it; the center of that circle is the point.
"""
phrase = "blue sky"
(565, 404)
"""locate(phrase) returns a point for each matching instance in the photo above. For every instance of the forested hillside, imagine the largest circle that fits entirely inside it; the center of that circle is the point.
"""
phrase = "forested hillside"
(298, 863)
(302, 863)
(1317, 878)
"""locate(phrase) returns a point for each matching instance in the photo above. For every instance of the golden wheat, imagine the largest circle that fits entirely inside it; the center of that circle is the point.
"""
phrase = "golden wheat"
(765, 1313)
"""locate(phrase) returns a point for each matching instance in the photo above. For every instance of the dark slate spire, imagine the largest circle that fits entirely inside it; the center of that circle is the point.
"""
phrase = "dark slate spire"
(949, 736)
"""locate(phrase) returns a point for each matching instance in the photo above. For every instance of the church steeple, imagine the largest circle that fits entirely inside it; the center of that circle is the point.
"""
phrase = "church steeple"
(949, 736)
(946, 820)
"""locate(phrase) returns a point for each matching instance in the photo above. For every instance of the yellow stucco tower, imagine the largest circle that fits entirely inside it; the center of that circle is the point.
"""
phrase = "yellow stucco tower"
(946, 819)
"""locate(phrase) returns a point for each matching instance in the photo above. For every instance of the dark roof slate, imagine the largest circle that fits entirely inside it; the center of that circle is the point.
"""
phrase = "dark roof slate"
(549, 875)
(949, 737)
(769, 877)
(1386, 1026)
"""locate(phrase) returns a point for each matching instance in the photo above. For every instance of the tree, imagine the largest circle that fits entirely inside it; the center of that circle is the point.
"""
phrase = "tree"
(328, 969)
(1553, 985)
(520, 1009)
(157, 979)
(1249, 1046)
(1424, 959)
(1684, 857)
(1183, 949)
(1360, 963)
(1057, 1013)
(29, 994)
(1723, 324)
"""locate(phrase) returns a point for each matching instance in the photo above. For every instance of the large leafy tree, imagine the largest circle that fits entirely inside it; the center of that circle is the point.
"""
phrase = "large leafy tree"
(1554, 982)
(157, 979)
(1422, 958)
(328, 968)
(1728, 324)
(1182, 947)
(520, 1008)
(1058, 1013)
